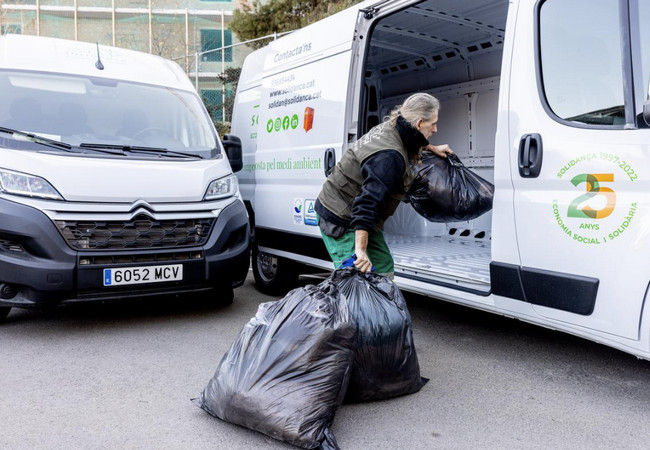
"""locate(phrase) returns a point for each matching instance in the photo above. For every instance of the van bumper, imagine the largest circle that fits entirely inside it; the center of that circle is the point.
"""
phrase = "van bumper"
(39, 269)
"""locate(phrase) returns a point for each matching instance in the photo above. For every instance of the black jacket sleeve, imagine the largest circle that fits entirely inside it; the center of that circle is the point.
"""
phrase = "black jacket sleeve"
(382, 176)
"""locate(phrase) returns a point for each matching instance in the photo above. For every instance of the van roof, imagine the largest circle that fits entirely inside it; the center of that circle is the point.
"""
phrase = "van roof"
(45, 54)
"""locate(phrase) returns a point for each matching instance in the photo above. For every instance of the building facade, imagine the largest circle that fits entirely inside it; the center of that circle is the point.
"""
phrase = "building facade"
(194, 33)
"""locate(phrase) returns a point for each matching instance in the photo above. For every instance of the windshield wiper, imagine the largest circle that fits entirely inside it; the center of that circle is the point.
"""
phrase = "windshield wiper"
(138, 149)
(39, 139)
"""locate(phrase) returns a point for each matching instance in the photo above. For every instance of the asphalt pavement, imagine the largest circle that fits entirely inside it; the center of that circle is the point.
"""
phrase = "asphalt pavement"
(120, 375)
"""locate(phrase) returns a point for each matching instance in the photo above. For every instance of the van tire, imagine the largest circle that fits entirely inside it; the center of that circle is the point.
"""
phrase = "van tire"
(273, 275)
(4, 312)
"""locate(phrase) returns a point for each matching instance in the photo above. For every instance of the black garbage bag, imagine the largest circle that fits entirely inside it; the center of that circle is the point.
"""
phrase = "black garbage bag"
(444, 190)
(287, 372)
(385, 364)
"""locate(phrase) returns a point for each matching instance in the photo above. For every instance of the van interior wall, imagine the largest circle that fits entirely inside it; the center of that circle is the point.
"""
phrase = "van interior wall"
(456, 253)
(452, 50)
(467, 122)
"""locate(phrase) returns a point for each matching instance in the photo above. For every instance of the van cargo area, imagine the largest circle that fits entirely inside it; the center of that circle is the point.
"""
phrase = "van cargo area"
(433, 47)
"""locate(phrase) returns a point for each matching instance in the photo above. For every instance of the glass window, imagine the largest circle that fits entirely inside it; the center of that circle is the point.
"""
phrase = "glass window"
(101, 111)
(10, 29)
(582, 70)
(210, 40)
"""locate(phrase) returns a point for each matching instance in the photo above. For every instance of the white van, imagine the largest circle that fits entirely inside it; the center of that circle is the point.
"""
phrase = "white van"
(113, 181)
(545, 98)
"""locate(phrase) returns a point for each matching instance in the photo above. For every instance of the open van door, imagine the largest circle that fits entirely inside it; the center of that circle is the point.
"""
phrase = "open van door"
(576, 160)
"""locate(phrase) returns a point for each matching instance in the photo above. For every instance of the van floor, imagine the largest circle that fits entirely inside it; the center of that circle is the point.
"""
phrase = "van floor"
(457, 261)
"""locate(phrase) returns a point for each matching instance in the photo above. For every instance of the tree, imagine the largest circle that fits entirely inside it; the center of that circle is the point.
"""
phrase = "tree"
(167, 33)
(259, 19)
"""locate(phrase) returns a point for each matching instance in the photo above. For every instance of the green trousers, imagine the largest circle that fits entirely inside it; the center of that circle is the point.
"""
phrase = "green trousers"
(342, 248)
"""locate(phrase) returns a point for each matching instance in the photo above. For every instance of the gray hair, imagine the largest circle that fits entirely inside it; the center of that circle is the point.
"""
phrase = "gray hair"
(417, 106)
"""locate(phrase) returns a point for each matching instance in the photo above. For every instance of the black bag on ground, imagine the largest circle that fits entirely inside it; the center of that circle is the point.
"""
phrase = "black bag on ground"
(287, 372)
(444, 190)
(385, 364)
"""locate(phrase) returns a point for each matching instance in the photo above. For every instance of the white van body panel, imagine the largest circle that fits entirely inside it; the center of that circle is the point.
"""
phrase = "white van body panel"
(531, 257)
(119, 181)
(291, 159)
(39, 54)
(299, 119)
(247, 109)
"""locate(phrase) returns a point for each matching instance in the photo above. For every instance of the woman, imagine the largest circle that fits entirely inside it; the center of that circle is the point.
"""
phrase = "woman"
(370, 180)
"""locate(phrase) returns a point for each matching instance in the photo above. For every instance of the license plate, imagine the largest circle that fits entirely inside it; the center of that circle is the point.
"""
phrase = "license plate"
(140, 275)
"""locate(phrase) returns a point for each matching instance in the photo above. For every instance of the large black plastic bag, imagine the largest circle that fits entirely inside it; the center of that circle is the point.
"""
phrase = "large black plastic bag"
(385, 364)
(444, 190)
(287, 372)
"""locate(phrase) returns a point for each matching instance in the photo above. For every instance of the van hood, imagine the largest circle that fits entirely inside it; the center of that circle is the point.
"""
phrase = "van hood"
(112, 180)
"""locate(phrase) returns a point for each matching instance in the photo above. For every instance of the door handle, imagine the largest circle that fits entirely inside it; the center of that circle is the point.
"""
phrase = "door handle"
(329, 161)
(530, 155)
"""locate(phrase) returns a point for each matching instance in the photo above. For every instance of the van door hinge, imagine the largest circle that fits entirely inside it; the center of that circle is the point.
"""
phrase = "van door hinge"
(369, 13)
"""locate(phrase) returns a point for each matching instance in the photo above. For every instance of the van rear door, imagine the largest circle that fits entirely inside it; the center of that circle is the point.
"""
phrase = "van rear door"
(578, 162)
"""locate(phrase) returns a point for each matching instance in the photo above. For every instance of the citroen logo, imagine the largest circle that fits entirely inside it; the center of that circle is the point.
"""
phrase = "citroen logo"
(142, 207)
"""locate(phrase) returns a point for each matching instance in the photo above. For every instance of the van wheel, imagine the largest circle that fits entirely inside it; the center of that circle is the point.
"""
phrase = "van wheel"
(4, 312)
(273, 275)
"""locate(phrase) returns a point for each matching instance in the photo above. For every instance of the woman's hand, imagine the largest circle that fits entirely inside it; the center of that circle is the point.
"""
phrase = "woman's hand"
(363, 262)
(440, 150)
(360, 245)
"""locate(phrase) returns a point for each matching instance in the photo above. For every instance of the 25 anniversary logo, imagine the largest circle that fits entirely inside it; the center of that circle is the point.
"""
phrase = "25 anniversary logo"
(592, 216)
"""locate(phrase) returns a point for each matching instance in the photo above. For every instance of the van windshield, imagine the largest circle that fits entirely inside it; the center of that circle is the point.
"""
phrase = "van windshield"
(100, 112)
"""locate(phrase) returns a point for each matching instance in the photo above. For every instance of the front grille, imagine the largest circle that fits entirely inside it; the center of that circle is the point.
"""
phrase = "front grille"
(107, 259)
(141, 232)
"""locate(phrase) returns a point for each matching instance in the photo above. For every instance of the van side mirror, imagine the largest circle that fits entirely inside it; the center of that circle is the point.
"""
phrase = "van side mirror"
(232, 144)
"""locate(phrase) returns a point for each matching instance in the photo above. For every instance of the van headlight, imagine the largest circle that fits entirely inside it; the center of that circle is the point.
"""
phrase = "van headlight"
(17, 183)
(222, 188)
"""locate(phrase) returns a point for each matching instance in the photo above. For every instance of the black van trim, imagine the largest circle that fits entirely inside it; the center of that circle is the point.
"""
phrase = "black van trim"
(557, 290)
(442, 284)
(292, 243)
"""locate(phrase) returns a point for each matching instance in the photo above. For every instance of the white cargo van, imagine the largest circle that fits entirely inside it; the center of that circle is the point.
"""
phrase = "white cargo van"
(545, 98)
(113, 181)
